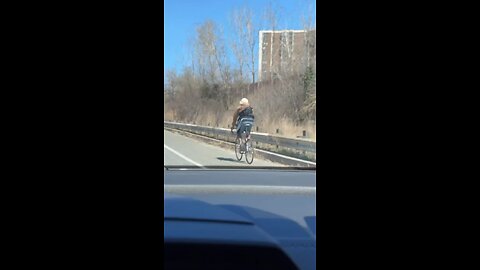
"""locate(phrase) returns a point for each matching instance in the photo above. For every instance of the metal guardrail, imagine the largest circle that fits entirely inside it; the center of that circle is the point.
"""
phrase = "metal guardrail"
(226, 135)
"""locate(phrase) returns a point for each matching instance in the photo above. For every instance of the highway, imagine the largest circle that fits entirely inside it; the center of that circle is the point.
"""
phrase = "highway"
(182, 150)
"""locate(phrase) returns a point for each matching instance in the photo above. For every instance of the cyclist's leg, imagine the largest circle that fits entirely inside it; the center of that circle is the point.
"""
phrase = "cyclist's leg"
(248, 130)
(239, 130)
(239, 134)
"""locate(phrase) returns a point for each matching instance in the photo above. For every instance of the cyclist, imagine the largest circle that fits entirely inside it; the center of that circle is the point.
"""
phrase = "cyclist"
(243, 119)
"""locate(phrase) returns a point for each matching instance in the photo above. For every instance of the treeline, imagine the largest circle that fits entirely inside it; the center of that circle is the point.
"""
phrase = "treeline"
(208, 89)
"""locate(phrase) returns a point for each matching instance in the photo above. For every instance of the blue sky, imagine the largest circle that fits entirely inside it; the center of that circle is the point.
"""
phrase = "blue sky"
(181, 17)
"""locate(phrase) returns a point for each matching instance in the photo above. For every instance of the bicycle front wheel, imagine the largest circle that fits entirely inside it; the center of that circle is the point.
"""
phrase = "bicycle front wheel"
(238, 153)
(250, 151)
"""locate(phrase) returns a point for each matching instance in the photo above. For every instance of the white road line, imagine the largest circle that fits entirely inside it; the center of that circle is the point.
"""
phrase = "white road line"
(182, 156)
(287, 157)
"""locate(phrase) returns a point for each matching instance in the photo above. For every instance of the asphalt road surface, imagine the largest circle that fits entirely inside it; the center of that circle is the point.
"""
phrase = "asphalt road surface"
(181, 150)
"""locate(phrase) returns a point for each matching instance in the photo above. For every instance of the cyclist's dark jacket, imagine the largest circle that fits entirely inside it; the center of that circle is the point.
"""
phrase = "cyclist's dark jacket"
(247, 113)
(241, 114)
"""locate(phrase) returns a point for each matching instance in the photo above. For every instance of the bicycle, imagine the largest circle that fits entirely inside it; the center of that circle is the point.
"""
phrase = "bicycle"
(244, 146)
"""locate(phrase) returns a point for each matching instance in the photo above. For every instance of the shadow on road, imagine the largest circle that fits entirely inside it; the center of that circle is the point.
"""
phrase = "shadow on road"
(230, 159)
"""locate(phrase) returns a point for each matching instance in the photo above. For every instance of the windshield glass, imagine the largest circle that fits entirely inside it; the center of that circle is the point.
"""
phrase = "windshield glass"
(240, 83)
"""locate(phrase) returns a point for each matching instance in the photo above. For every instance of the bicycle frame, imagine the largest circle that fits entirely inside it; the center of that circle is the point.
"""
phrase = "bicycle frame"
(243, 146)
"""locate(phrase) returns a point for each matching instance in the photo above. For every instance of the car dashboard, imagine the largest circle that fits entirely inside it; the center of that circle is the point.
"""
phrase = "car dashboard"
(239, 218)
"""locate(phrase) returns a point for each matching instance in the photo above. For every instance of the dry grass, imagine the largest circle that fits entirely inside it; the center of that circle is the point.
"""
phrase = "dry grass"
(286, 127)
(277, 105)
(168, 115)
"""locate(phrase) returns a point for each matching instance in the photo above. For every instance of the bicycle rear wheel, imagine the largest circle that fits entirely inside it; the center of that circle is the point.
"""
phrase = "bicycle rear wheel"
(238, 153)
(250, 151)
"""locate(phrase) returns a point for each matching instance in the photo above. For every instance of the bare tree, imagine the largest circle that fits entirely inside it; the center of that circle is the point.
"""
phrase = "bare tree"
(171, 78)
(211, 62)
(211, 54)
(308, 15)
(271, 19)
(308, 19)
(220, 52)
(238, 52)
(244, 43)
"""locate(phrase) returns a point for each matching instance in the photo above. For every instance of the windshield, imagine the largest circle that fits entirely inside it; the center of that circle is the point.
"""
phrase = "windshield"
(240, 83)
